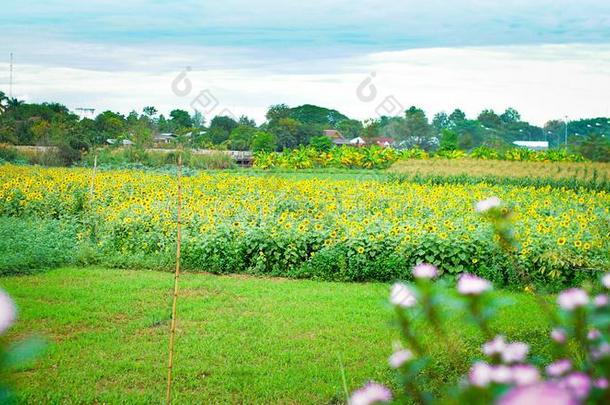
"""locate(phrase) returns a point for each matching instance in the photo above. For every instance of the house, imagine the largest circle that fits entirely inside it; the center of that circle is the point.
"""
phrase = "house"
(166, 137)
(533, 145)
(336, 137)
(124, 142)
(357, 141)
(384, 141)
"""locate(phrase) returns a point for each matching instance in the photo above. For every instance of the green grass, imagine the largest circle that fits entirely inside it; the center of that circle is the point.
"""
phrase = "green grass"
(240, 339)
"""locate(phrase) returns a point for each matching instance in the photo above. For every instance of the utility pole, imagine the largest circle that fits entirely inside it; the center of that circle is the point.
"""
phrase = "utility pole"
(10, 80)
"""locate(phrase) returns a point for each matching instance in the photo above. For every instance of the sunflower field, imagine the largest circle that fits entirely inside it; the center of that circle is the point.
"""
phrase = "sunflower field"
(354, 230)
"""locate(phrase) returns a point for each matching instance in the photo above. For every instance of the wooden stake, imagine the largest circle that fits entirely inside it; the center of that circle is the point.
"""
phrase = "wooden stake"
(176, 277)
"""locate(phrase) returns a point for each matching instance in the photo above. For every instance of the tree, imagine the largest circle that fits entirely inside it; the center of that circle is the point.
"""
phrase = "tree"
(449, 140)
(198, 120)
(3, 102)
(286, 132)
(241, 137)
(457, 116)
(351, 128)
(264, 141)
(321, 143)
(277, 112)
(244, 120)
(418, 132)
(225, 123)
(149, 111)
(510, 116)
(441, 121)
(180, 119)
(595, 147)
(489, 119)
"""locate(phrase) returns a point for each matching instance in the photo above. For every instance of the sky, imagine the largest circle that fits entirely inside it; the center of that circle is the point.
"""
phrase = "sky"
(547, 59)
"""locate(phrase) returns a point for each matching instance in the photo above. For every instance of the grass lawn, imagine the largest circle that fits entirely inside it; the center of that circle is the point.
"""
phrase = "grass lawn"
(240, 339)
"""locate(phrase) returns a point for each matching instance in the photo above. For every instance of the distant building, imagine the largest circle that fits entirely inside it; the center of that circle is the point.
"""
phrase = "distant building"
(124, 142)
(533, 145)
(384, 141)
(357, 141)
(166, 137)
(336, 137)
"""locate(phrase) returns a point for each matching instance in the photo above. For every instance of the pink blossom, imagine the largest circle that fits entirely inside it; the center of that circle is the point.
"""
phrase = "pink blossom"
(480, 374)
(8, 312)
(402, 296)
(502, 374)
(593, 334)
(606, 280)
(525, 374)
(572, 298)
(601, 300)
(369, 394)
(601, 383)
(469, 284)
(558, 368)
(544, 393)
(399, 357)
(495, 346)
(425, 270)
(515, 352)
(559, 335)
(487, 204)
(578, 383)
(603, 350)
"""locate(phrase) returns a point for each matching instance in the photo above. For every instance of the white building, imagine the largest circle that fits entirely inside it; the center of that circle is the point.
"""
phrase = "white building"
(533, 145)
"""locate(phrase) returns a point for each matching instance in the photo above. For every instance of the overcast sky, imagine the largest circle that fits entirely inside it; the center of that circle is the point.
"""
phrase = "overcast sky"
(545, 58)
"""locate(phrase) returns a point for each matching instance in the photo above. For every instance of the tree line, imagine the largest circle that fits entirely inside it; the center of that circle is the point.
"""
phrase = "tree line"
(53, 124)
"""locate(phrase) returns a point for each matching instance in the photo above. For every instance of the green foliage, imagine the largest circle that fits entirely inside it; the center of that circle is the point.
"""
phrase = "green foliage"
(29, 245)
(264, 142)
(321, 143)
(449, 140)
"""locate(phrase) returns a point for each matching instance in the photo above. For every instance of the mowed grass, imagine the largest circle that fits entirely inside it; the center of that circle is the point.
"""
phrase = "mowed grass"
(239, 339)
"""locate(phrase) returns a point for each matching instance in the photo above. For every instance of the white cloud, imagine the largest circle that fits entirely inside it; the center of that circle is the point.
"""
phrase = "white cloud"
(541, 81)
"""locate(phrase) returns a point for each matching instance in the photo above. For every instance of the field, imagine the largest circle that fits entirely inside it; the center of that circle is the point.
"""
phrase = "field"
(583, 171)
(240, 339)
(284, 298)
(341, 230)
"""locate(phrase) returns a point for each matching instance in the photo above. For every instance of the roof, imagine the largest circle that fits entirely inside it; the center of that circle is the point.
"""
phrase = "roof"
(357, 141)
(333, 134)
(385, 139)
(532, 144)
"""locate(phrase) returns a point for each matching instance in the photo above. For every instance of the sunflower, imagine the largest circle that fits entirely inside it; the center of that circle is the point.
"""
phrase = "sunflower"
(561, 241)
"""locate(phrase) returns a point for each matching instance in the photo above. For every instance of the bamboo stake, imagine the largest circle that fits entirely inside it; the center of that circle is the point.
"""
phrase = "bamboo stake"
(176, 277)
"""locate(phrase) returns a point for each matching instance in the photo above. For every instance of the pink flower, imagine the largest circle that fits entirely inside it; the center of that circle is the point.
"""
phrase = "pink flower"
(515, 352)
(402, 296)
(558, 368)
(525, 374)
(399, 357)
(606, 280)
(601, 383)
(480, 374)
(603, 350)
(425, 270)
(600, 300)
(578, 383)
(559, 335)
(486, 205)
(593, 334)
(469, 284)
(8, 312)
(370, 394)
(495, 346)
(544, 393)
(572, 298)
(502, 374)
